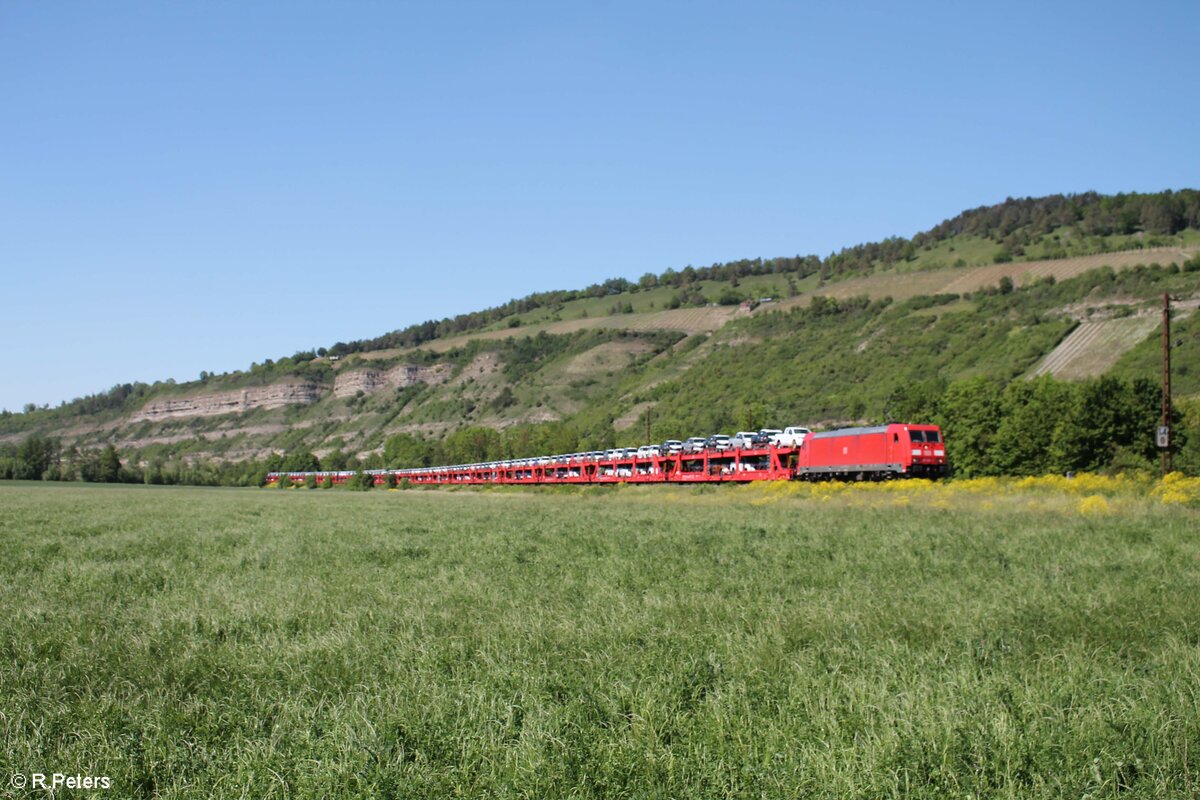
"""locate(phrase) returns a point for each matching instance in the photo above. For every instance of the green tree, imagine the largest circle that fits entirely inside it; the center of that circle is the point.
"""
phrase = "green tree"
(471, 444)
(359, 482)
(1108, 419)
(403, 450)
(335, 461)
(915, 401)
(109, 466)
(154, 472)
(1030, 411)
(301, 461)
(555, 438)
(35, 456)
(970, 414)
(729, 296)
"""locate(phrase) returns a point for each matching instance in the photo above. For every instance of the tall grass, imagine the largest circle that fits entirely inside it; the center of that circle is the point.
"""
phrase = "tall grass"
(639, 643)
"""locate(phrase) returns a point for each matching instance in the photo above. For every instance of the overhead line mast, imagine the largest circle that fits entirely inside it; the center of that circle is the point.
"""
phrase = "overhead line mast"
(1164, 430)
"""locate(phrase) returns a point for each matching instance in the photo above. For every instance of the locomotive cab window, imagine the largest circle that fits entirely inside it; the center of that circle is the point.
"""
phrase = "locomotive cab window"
(932, 436)
(916, 436)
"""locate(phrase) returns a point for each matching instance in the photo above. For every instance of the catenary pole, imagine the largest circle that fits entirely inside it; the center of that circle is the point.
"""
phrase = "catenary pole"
(1165, 446)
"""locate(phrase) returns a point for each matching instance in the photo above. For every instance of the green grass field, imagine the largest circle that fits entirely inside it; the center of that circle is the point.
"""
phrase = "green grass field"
(664, 642)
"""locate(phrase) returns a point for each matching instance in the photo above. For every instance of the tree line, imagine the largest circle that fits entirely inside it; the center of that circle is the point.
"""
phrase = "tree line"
(44, 458)
(1045, 426)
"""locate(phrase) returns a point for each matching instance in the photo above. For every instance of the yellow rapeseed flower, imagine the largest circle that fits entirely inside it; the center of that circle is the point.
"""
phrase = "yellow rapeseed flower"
(1093, 504)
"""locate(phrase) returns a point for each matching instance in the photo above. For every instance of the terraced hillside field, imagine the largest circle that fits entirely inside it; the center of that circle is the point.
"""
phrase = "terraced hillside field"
(1095, 346)
(903, 285)
(686, 320)
(1063, 268)
(898, 285)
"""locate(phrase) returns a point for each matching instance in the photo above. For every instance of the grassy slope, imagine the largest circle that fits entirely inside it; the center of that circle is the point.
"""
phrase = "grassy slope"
(792, 367)
(973, 250)
(602, 392)
(1146, 358)
(230, 643)
(800, 368)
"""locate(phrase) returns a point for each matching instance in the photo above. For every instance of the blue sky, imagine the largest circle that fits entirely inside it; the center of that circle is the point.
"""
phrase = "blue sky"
(189, 187)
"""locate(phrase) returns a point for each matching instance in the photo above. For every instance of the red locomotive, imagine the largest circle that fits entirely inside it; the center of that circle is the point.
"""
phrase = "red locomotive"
(897, 451)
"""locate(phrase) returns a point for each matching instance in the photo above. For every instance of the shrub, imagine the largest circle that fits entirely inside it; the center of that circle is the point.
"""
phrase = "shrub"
(729, 297)
(359, 482)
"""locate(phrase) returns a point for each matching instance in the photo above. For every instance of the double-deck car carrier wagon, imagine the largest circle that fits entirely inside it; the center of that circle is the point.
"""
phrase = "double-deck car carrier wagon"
(875, 453)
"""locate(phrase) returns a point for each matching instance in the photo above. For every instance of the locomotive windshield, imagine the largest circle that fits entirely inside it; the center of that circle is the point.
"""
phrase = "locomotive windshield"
(924, 436)
(916, 436)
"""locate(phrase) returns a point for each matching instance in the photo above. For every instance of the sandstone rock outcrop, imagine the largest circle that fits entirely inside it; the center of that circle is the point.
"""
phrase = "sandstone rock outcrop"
(233, 402)
(370, 381)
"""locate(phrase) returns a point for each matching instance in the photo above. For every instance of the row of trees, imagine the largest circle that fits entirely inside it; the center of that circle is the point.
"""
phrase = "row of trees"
(41, 458)
(1093, 214)
(358, 482)
(1045, 426)
(122, 397)
(44, 458)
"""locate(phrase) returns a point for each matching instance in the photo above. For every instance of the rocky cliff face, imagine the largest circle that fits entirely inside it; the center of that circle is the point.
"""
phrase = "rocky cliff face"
(217, 403)
(277, 395)
(370, 381)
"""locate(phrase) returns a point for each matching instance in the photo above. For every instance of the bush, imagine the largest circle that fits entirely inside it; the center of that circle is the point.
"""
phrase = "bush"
(729, 297)
(359, 482)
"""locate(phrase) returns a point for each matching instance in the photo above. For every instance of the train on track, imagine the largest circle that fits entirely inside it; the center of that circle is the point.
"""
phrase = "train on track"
(881, 452)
